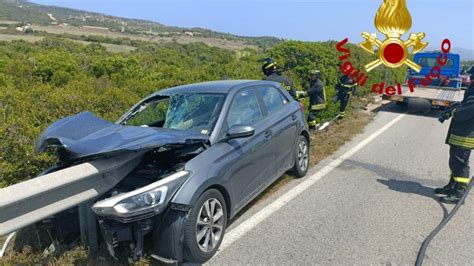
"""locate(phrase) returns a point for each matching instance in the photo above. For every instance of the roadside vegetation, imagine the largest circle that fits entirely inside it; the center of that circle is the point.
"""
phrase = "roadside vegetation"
(44, 81)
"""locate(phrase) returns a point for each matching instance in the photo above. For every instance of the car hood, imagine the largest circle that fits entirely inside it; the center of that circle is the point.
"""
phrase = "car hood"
(85, 134)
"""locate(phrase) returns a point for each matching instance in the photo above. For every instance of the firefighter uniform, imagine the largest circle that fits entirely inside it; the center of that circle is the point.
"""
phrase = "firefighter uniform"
(317, 98)
(271, 72)
(284, 81)
(344, 88)
(317, 101)
(461, 139)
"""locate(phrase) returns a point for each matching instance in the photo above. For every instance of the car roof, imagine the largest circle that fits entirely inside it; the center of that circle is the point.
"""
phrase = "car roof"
(220, 86)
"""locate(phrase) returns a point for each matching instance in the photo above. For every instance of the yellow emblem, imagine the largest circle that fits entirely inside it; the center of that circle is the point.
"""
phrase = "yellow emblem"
(393, 20)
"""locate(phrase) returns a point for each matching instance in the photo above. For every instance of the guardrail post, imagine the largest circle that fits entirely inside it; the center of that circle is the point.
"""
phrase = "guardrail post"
(88, 227)
(83, 223)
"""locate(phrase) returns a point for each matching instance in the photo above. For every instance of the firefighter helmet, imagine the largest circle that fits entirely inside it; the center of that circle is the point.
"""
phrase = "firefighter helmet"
(269, 66)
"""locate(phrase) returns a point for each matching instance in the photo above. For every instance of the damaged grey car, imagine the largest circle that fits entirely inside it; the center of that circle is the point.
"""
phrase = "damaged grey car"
(193, 157)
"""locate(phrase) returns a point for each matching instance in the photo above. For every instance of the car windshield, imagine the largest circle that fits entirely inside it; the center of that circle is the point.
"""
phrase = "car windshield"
(182, 111)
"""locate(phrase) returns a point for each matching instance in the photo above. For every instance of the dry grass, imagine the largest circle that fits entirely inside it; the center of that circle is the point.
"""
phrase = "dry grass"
(76, 256)
(323, 144)
(8, 22)
(216, 42)
(326, 143)
(12, 37)
(114, 48)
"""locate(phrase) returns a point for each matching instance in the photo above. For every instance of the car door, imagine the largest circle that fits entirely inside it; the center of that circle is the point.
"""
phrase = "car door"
(254, 156)
(281, 120)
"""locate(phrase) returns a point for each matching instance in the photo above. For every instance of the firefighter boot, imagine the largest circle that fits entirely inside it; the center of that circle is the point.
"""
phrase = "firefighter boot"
(341, 115)
(314, 129)
(312, 125)
(446, 190)
(456, 195)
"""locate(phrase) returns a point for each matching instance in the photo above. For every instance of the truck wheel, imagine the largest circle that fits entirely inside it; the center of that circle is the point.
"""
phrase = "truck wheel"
(205, 227)
(301, 157)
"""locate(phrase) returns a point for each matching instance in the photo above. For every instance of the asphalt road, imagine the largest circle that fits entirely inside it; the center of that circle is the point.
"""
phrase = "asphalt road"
(375, 207)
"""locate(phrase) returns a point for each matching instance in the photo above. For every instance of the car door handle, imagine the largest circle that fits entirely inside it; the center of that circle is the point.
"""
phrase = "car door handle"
(294, 117)
(268, 134)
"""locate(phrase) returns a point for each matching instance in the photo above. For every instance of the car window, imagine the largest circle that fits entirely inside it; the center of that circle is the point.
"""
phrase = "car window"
(272, 98)
(149, 113)
(433, 61)
(244, 109)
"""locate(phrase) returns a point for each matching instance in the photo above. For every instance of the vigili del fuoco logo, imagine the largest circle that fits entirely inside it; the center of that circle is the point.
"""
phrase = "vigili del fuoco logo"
(393, 20)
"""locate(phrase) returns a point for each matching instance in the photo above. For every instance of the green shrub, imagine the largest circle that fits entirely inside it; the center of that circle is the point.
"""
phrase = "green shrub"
(43, 82)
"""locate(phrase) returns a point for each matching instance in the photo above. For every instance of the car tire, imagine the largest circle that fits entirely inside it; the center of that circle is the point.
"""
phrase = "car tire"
(201, 228)
(301, 157)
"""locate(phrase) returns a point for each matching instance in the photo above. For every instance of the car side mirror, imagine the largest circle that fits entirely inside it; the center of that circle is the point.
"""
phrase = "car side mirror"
(240, 131)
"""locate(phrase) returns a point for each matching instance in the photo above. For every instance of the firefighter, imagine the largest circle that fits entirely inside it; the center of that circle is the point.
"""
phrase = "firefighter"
(317, 98)
(461, 140)
(345, 87)
(269, 68)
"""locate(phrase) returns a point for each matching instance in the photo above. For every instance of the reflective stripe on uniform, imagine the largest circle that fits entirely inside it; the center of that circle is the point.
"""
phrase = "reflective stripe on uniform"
(464, 139)
(312, 123)
(348, 86)
(465, 142)
(318, 107)
(462, 180)
(270, 65)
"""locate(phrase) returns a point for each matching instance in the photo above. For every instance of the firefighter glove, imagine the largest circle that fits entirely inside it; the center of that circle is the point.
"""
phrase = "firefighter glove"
(301, 94)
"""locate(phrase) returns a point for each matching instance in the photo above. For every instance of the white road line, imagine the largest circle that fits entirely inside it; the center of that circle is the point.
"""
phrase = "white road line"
(257, 218)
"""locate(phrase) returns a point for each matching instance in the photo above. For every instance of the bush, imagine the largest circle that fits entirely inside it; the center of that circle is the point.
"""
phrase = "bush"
(43, 82)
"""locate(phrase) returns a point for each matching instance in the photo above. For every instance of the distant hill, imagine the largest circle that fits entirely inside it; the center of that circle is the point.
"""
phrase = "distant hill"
(466, 54)
(26, 12)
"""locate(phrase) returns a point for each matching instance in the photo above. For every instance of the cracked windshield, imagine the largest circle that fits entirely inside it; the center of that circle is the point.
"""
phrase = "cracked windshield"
(182, 111)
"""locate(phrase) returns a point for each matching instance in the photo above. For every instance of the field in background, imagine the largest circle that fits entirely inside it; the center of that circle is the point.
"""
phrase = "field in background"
(182, 39)
(12, 37)
(8, 22)
(108, 36)
(114, 48)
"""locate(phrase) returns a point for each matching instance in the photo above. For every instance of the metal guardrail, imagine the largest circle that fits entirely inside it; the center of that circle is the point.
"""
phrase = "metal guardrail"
(28, 202)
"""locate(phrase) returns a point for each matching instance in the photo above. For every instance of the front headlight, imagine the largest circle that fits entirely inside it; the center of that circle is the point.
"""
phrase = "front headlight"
(146, 201)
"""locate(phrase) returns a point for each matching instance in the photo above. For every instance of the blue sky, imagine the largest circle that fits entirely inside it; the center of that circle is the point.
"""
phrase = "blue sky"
(309, 20)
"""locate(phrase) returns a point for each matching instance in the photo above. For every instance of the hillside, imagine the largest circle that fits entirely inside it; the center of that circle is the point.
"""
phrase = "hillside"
(24, 12)
(466, 54)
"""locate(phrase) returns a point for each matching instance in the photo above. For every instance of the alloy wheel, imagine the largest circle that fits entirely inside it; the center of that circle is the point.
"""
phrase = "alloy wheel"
(210, 224)
(303, 156)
